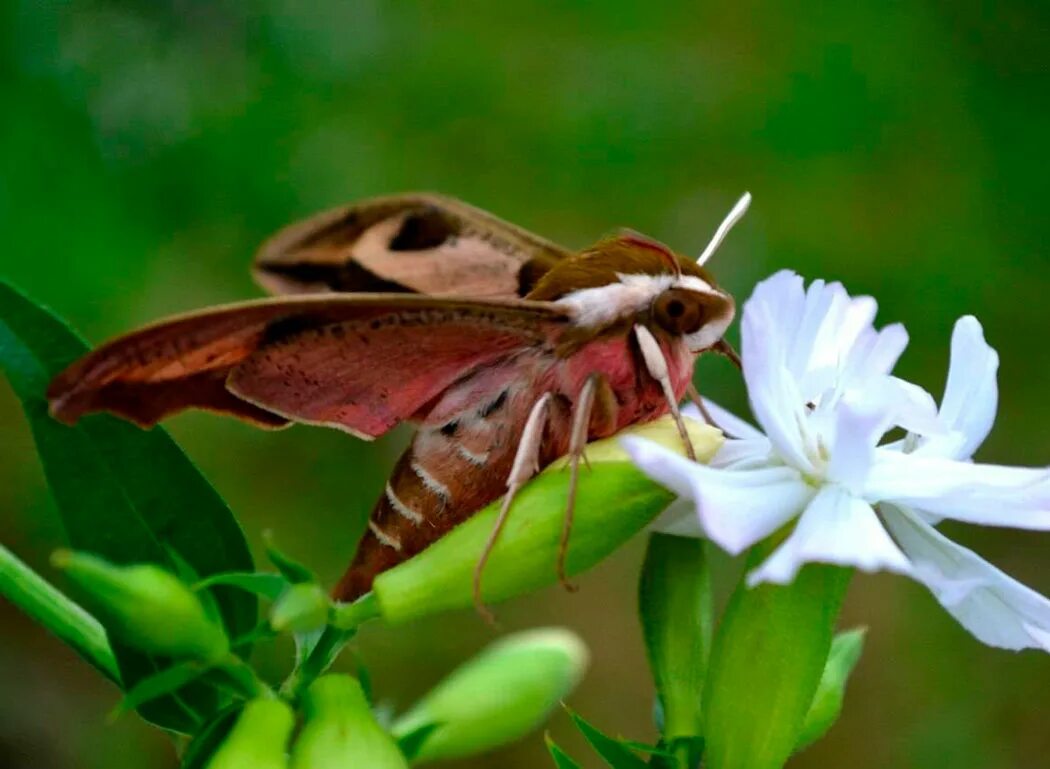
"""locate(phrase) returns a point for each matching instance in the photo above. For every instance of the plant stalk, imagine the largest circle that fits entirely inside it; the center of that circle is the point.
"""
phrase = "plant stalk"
(45, 604)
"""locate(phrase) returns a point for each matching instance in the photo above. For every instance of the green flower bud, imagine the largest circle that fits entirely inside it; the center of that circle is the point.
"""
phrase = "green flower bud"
(340, 730)
(614, 501)
(768, 657)
(258, 739)
(299, 609)
(498, 697)
(146, 607)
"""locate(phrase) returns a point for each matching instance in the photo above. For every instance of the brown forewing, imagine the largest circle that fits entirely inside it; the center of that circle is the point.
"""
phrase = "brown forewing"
(419, 243)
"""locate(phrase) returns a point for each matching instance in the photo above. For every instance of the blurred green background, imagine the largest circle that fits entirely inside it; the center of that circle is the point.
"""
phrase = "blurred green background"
(147, 147)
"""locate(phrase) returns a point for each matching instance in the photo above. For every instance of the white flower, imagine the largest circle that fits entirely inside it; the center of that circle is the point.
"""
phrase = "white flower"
(819, 380)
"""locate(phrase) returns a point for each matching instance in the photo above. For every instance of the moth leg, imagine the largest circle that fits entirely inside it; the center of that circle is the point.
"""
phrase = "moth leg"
(694, 396)
(526, 464)
(656, 365)
(596, 386)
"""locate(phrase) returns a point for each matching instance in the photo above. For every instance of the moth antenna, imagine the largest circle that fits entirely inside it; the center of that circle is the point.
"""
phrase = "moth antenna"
(656, 364)
(526, 463)
(732, 218)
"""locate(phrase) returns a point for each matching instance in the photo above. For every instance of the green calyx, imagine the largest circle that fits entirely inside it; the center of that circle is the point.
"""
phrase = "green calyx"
(340, 730)
(146, 606)
(301, 608)
(614, 502)
(258, 739)
(498, 697)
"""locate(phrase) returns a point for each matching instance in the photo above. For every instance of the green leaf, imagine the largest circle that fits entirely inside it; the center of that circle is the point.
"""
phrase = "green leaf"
(260, 632)
(267, 585)
(614, 752)
(767, 659)
(411, 743)
(675, 605)
(123, 493)
(561, 758)
(68, 621)
(290, 568)
(167, 681)
(827, 702)
(210, 737)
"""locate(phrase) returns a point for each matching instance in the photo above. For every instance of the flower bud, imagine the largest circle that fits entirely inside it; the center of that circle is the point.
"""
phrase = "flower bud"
(300, 608)
(145, 606)
(340, 730)
(258, 739)
(498, 697)
(614, 501)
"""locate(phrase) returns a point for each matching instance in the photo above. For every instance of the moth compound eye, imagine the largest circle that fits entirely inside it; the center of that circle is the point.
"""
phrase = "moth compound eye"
(679, 311)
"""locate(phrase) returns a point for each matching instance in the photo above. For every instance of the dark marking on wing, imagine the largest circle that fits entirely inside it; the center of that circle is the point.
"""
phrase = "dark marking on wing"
(529, 275)
(349, 276)
(424, 229)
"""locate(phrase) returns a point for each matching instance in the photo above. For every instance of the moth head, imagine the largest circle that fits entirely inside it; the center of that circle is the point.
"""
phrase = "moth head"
(631, 278)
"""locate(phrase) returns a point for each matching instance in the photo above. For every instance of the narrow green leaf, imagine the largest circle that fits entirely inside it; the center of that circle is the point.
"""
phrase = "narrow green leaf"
(123, 493)
(167, 681)
(561, 758)
(267, 585)
(675, 605)
(646, 748)
(260, 632)
(68, 621)
(827, 702)
(235, 676)
(210, 737)
(767, 659)
(614, 752)
(411, 743)
(290, 568)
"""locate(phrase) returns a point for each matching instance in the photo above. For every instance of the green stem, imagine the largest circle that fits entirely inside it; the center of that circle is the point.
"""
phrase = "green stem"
(45, 604)
(677, 615)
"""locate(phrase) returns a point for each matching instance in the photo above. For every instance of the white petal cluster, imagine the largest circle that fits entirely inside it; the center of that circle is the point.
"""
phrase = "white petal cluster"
(819, 379)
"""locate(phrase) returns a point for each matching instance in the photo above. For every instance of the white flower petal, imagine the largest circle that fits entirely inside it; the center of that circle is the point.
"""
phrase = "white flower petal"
(730, 424)
(912, 407)
(991, 495)
(735, 508)
(997, 609)
(750, 454)
(971, 395)
(837, 528)
(776, 403)
(857, 431)
(668, 468)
